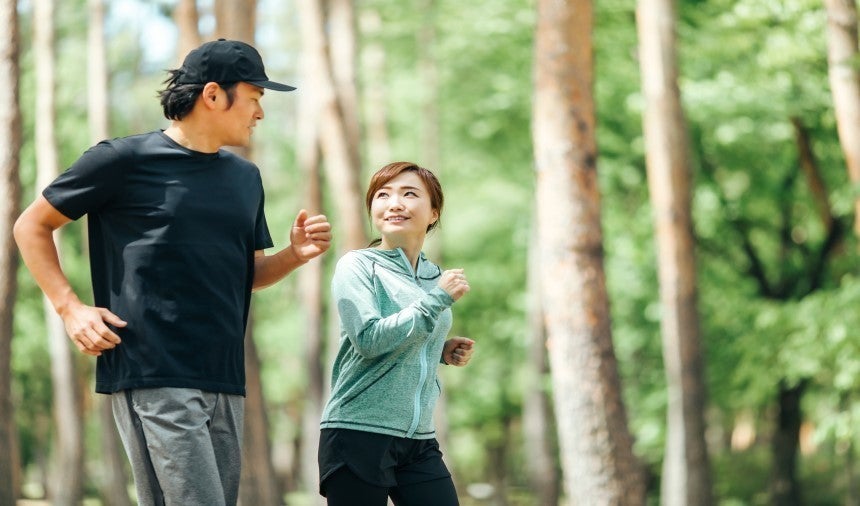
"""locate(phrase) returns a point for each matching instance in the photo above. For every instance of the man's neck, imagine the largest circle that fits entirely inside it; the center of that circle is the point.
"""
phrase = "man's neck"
(189, 137)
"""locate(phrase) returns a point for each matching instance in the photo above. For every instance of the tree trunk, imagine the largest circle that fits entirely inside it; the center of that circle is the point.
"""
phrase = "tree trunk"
(686, 468)
(10, 196)
(186, 17)
(845, 86)
(342, 174)
(259, 485)
(784, 486)
(311, 282)
(343, 43)
(425, 39)
(429, 78)
(98, 113)
(68, 452)
(236, 19)
(497, 456)
(596, 445)
(540, 447)
(374, 91)
(115, 480)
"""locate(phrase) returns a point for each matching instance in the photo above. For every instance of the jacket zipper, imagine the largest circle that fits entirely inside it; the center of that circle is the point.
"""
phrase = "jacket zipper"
(422, 360)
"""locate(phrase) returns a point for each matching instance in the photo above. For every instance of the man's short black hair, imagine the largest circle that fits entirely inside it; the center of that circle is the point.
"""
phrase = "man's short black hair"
(177, 100)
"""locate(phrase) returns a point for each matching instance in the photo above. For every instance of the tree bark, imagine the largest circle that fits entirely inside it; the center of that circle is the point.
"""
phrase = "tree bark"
(596, 445)
(98, 113)
(114, 484)
(236, 19)
(311, 282)
(540, 447)
(429, 141)
(374, 91)
(428, 70)
(343, 44)
(10, 196)
(686, 468)
(842, 49)
(343, 175)
(784, 486)
(259, 486)
(68, 452)
(187, 18)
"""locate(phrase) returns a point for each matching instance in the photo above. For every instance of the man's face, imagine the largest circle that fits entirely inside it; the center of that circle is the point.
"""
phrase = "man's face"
(240, 118)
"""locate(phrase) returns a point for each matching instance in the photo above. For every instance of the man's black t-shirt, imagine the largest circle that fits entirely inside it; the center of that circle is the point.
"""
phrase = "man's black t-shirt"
(172, 239)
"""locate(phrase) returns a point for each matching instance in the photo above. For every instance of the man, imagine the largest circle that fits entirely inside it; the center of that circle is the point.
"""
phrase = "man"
(177, 232)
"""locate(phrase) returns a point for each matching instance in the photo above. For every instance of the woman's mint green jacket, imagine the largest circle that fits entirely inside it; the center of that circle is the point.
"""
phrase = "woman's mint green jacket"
(393, 324)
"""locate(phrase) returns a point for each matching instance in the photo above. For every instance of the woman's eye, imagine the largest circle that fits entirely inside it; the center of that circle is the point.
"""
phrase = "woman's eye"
(381, 195)
(412, 193)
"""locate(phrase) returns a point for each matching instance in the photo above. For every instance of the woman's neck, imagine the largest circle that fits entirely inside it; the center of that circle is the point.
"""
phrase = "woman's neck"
(412, 249)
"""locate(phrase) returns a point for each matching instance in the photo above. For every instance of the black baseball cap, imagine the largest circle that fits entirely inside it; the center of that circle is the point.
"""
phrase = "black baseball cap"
(226, 61)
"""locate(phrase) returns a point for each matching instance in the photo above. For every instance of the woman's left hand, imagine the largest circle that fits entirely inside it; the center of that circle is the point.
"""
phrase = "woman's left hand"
(458, 351)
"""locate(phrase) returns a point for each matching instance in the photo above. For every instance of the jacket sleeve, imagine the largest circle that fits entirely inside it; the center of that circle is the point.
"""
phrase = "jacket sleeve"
(361, 318)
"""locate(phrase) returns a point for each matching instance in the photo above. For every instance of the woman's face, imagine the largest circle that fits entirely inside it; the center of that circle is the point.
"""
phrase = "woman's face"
(401, 209)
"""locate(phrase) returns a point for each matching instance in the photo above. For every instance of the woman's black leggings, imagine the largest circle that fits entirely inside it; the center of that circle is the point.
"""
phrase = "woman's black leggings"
(343, 488)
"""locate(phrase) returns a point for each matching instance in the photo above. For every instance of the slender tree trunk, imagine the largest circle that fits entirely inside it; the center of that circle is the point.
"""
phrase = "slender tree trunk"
(538, 429)
(10, 196)
(784, 486)
(114, 484)
(596, 445)
(842, 49)
(429, 142)
(236, 19)
(686, 468)
(343, 175)
(312, 298)
(98, 113)
(497, 456)
(429, 73)
(376, 117)
(259, 485)
(311, 282)
(68, 453)
(187, 18)
(343, 44)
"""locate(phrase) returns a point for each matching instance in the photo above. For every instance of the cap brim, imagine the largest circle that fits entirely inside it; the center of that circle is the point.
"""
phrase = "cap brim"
(271, 85)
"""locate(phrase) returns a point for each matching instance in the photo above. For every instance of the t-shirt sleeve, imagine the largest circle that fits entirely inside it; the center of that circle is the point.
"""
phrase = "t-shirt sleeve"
(89, 183)
(262, 237)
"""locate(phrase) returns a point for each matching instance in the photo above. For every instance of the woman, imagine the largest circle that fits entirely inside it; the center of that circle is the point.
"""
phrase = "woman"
(377, 435)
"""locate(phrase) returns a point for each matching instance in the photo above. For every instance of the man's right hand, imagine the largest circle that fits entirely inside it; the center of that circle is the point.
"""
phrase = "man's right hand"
(86, 327)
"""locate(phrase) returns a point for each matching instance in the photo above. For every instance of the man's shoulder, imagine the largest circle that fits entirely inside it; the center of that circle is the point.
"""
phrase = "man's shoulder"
(129, 145)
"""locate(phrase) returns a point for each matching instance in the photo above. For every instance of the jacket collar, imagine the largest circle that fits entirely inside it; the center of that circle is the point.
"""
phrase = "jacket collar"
(395, 260)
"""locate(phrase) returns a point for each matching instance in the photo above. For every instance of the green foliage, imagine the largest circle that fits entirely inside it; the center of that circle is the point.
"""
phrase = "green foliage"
(748, 67)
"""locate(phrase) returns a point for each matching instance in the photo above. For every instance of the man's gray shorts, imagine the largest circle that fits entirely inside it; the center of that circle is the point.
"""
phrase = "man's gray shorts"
(184, 444)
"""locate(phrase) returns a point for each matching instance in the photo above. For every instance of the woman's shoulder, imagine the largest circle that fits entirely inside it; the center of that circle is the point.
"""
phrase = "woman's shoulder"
(355, 259)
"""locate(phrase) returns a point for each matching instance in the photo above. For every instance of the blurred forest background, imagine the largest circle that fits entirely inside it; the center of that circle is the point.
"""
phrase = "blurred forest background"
(655, 209)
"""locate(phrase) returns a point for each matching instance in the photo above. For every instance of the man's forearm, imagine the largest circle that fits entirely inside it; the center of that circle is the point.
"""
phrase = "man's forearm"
(270, 269)
(39, 253)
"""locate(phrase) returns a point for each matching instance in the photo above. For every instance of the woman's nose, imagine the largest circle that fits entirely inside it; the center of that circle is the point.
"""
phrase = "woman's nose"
(395, 203)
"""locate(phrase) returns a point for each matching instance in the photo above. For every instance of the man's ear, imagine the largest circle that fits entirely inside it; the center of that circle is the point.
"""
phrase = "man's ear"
(210, 94)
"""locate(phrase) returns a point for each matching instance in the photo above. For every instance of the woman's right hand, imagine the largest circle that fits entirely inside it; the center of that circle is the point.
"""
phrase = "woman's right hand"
(454, 282)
